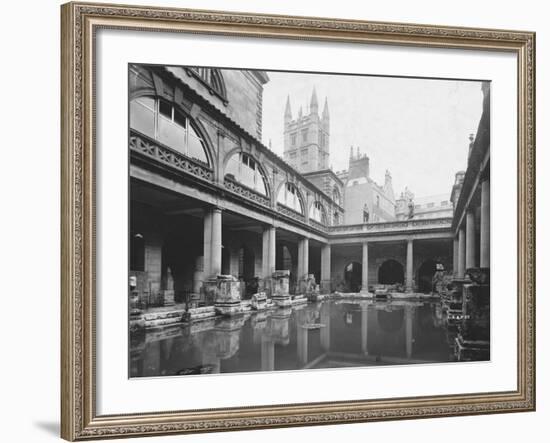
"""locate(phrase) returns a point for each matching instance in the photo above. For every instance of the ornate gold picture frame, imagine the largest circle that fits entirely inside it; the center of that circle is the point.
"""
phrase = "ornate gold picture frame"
(80, 23)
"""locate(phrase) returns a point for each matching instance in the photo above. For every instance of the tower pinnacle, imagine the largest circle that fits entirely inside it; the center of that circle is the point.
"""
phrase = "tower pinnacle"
(288, 111)
(314, 105)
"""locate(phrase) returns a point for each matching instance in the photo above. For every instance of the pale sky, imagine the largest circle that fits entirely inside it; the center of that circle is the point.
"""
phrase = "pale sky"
(416, 128)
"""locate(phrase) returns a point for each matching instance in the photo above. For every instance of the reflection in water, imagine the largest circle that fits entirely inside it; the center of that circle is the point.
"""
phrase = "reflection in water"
(330, 334)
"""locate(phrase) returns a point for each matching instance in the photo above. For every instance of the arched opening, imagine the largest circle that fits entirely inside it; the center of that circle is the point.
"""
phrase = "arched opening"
(290, 197)
(353, 276)
(425, 276)
(317, 212)
(243, 168)
(336, 196)
(212, 78)
(169, 125)
(391, 272)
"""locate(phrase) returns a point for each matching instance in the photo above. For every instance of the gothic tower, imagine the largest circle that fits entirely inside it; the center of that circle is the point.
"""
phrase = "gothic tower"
(306, 139)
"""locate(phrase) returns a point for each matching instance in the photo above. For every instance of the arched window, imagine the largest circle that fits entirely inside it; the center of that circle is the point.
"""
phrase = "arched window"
(290, 197)
(212, 78)
(161, 120)
(244, 169)
(336, 196)
(317, 212)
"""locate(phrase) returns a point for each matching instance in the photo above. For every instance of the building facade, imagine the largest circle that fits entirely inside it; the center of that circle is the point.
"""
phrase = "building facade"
(207, 198)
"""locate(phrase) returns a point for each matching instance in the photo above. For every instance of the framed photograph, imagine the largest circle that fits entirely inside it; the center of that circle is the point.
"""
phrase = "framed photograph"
(282, 221)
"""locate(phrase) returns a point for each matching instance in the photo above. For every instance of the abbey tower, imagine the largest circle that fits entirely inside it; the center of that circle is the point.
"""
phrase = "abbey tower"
(306, 138)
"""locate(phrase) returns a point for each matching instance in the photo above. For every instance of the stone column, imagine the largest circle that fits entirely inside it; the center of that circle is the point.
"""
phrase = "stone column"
(365, 270)
(326, 286)
(198, 274)
(268, 252)
(485, 253)
(272, 249)
(409, 275)
(207, 243)
(267, 354)
(234, 262)
(301, 344)
(303, 261)
(455, 256)
(216, 257)
(300, 264)
(325, 329)
(470, 240)
(461, 252)
(306, 257)
(409, 330)
(364, 330)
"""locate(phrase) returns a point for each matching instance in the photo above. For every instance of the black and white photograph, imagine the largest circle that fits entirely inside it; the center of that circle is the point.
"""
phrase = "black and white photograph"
(296, 221)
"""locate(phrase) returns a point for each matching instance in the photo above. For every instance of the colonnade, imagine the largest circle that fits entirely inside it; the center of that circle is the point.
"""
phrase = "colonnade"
(470, 250)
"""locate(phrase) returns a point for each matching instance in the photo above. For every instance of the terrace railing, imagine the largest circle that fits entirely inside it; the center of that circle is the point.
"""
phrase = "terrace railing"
(158, 152)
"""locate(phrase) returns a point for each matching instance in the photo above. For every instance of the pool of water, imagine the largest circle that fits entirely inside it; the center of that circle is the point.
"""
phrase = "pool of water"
(331, 334)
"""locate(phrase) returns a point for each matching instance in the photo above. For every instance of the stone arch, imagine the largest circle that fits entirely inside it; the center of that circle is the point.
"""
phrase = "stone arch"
(239, 151)
(324, 213)
(299, 193)
(391, 272)
(336, 195)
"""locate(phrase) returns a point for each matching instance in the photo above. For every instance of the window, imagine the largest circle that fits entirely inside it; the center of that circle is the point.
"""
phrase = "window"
(378, 200)
(212, 78)
(293, 139)
(244, 169)
(336, 195)
(161, 120)
(444, 203)
(304, 135)
(290, 197)
(317, 212)
(336, 219)
(303, 152)
(430, 205)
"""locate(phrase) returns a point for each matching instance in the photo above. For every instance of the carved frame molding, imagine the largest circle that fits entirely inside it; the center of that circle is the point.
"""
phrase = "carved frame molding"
(79, 23)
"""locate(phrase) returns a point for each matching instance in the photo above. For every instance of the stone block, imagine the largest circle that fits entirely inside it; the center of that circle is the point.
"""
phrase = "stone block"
(280, 290)
(227, 299)
(169, 297)
(259, 301)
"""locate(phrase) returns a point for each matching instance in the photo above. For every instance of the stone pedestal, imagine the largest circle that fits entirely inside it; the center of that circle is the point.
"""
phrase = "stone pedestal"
(280, 294)
(259, 301)
(312, 290)
(472, 342)
(169, 297)
(227, 295)
(209, 289)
